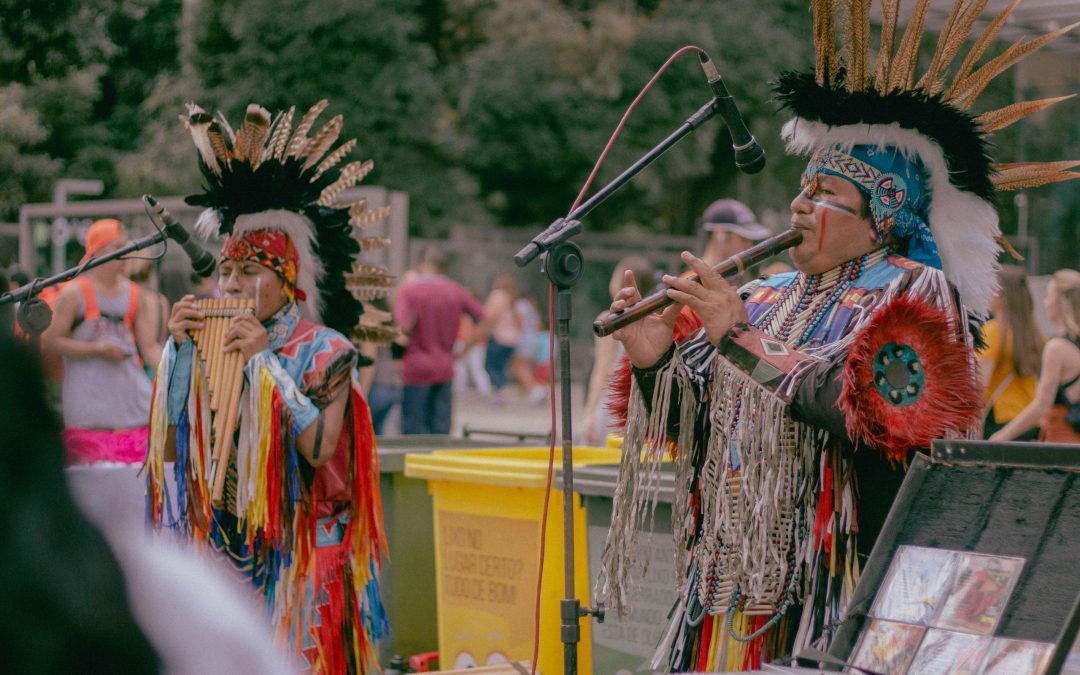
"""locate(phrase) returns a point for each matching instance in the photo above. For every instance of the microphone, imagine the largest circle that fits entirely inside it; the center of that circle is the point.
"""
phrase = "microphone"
(201, 261)
(749, 156)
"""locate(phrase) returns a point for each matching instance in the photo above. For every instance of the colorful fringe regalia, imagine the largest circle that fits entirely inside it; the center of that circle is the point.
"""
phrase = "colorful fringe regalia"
(767, 482)
(310, 540)
(787, 433)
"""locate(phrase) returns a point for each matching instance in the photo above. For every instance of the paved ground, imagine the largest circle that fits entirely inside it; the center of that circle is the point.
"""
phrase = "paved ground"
(477, 413)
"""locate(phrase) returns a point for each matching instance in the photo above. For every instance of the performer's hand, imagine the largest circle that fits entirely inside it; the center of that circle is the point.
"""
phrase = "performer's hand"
(185, 316)
(714, 299)
(246, 335)
(650, 338)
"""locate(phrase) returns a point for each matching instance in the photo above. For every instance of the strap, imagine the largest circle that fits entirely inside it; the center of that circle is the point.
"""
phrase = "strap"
(90, 306)
(1002, 386)
(133, 304)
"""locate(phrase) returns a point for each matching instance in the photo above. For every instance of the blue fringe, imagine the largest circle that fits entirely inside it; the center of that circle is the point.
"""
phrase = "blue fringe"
(180, 467)
(372, 611)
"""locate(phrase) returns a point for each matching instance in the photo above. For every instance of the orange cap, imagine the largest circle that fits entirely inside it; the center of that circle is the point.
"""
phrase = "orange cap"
(102, 233)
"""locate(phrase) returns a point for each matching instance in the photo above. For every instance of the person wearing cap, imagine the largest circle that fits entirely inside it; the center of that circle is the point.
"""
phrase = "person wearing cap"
(732, 229)
(101, 330)
(792, 413)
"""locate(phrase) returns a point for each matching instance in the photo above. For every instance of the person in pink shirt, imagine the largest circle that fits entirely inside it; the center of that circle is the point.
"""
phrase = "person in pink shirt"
(429, 308)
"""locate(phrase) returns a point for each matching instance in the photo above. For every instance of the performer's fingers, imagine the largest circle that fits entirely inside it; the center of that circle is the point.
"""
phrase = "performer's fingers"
(671, 313)
(683, 298)
(624, 298)
(705, 273)
(247, 320)
(689, 286)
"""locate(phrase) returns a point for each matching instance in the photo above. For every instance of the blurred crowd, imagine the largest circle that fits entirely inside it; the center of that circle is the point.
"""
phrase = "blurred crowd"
(108, 326)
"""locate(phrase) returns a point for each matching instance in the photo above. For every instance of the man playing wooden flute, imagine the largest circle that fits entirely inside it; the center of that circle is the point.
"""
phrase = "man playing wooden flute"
(300, 513)
(794, 408)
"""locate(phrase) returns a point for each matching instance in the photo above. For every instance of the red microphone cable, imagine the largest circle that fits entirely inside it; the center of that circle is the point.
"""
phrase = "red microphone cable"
(551, 343)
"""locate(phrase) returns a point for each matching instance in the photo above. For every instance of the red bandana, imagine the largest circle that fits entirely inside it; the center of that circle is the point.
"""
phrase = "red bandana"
(272, 249)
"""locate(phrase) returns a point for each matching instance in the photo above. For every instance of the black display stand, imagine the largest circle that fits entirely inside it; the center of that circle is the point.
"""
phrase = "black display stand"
(1003, 499)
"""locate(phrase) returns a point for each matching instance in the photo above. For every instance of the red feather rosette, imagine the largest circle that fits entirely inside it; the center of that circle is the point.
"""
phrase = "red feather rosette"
(908, 380)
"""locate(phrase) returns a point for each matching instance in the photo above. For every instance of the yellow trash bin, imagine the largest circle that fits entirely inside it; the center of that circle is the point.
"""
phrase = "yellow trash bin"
(488, 506)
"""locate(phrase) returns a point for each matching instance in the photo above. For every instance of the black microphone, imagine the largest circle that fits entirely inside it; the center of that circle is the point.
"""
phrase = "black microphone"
(749, 156)
(201, 261)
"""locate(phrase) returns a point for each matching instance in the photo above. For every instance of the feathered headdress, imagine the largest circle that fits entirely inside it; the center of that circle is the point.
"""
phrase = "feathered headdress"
(910, 144)
(268, 175)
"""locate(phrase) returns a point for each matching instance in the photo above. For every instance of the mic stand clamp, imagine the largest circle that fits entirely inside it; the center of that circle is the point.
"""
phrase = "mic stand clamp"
(559, 231)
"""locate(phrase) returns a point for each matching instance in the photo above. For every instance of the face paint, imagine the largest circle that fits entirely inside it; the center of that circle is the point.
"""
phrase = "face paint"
(808, 193)
(258, 294)
(821, 230)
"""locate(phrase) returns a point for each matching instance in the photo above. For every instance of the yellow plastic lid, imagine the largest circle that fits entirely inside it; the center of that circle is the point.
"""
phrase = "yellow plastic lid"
(512, 467)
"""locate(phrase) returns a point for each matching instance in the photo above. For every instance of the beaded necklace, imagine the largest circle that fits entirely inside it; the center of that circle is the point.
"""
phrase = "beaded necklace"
(804, 305)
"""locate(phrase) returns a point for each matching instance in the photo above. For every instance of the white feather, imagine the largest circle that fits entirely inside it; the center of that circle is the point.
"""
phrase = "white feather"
(964, 226)
(208, 225)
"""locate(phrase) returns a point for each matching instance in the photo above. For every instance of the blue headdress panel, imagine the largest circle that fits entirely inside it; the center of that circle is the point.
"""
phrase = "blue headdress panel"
(894, 186)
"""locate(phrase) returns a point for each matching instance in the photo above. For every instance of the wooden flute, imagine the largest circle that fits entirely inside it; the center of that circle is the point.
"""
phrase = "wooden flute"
(736, 264)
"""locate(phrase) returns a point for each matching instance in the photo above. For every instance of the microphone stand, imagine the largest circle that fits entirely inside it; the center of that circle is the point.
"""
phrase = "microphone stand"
(563, 263)
(34, 316)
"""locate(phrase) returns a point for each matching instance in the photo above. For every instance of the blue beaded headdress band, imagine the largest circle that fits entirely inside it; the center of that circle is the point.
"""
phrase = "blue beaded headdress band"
(894, 191)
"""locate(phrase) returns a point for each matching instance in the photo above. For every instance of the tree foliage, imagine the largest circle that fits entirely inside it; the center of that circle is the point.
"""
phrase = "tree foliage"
(484, 111)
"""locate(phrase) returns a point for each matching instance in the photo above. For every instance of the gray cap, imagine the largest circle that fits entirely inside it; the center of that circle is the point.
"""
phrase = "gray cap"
(733, 216)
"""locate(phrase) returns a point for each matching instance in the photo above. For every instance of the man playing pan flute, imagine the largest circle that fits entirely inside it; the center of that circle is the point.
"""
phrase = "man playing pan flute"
(300, 512)
(787, 408)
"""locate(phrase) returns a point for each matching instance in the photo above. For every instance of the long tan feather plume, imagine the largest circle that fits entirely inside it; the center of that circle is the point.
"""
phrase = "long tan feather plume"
(357, 208)
(368, 275)
(889, 9)
(979, 48)
(252, 133)
(334, 157)
(198, 123)
(226, 128)
(824, 41)
(299, 137)
(367, 293)
(350, 175)
(858, 66)
(969, 90)
(369, 217)
(373, 316)
(902, 71)
(220, 144)
(993, 120)
(1022, 175)
(951, 37)
(382, 334)
(934, 80)
(322, 141)
(373, 243)
(275, 147)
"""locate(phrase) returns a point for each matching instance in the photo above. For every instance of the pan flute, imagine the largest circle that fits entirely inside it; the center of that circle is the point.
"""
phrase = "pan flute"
(224, 375)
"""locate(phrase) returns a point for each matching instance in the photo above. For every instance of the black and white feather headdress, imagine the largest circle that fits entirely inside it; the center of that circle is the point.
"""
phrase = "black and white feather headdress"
(852, 101)
(269, 175)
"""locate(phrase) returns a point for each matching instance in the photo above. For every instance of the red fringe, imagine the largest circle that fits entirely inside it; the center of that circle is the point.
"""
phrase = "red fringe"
(752, 657)
(950, 401)
(331, 629)
(705, 637)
